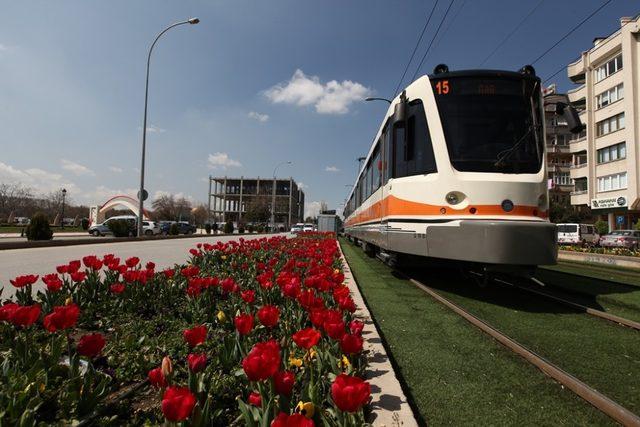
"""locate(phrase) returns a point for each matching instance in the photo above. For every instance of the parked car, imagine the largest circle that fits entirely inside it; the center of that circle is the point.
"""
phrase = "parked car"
(578, 234)
(102, 229)
(150, 228)
(307, 227)
(297, 228)
(183, 227)
(629, 239)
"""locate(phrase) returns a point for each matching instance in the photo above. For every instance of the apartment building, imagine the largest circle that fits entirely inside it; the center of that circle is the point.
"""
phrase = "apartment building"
(606, 156)
(230, 197)
(559, 159)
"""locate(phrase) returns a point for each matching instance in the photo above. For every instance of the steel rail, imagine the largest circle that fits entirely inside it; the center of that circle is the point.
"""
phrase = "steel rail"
(591, 311)
(595, 398)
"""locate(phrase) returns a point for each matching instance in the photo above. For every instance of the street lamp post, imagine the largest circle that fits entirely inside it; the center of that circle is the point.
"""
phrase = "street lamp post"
(64, 195)
(141, 195)
(273, 196)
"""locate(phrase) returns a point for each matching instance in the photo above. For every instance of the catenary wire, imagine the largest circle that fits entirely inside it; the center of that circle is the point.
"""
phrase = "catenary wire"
(415, 48)
(571, 31)
(433, 38)
(513, 31)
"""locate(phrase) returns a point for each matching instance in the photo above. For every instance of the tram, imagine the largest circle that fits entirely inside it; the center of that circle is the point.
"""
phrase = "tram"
(457, 171)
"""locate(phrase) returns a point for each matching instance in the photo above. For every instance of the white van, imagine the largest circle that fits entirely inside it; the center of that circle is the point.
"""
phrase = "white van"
(577, 234)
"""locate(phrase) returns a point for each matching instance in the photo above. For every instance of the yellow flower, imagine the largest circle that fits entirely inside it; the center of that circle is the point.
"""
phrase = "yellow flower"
(336, 271)
(68, 301)
(306, 408)
(42, 387)
(310, 355)
(221, 316)
(294, 361)
(344, 363)
(224, 257)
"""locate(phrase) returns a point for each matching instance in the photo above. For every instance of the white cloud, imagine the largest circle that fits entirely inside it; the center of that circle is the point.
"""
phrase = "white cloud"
(222, 160)
(180, 195)
(76, 168)
(331, 98)
(312, 209)
(331, 169)
(302, 185)
(115, 169)
(153, 129)
(262, 118)
(39, 180)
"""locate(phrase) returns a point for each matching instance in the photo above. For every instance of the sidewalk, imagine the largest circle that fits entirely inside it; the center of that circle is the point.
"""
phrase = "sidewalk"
(59, 234)
(389, 405)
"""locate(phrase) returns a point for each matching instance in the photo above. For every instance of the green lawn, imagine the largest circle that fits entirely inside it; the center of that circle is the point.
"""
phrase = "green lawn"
(56, 230)
(455, 374)
(629, 276)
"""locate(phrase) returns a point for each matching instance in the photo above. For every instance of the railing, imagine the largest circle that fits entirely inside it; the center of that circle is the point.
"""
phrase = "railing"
(579, 165)
(578, 192)
(580, 139)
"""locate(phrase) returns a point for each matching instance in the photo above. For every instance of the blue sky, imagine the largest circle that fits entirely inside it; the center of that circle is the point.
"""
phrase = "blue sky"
(255, 83)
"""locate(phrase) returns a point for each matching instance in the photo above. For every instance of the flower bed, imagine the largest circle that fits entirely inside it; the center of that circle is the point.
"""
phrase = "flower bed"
(256, 332)
(600, 250)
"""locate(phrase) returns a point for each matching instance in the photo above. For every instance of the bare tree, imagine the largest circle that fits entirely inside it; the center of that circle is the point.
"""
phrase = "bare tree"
(199, 214)
(15, 198)
(167, 207)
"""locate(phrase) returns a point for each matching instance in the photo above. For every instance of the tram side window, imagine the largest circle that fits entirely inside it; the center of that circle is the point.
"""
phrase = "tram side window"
(377, 168)
(388, 155)
(420, 157)
(399, 151)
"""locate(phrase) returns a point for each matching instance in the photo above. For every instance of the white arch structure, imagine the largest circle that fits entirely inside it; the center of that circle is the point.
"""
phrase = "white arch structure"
(97, 213)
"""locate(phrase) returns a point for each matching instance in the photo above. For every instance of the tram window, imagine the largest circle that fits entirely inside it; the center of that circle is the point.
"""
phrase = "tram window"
(376, 168)
(388, 155)
(419, 155)
(399, 151)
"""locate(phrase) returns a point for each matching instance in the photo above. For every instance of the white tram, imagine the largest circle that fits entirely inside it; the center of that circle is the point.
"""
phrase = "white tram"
(457, 171)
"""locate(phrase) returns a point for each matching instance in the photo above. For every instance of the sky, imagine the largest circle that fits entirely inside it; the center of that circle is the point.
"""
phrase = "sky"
(256, 83)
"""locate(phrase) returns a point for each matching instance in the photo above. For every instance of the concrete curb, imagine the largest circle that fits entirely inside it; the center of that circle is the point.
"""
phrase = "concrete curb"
(389, 406)
(606, 259)
(101, 241)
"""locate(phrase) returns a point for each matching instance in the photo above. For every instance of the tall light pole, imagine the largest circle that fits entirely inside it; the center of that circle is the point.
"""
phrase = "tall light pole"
(273, 195)
(141, 193)
(64, 195)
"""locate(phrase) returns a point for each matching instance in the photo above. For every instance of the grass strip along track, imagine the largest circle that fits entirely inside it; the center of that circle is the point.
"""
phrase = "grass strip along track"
(455, 374)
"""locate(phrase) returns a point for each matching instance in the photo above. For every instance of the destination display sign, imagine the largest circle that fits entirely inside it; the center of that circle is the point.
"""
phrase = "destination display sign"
(609, 202)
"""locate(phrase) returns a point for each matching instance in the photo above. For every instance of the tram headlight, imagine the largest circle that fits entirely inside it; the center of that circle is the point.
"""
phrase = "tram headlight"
(507, 205)
(454, 197)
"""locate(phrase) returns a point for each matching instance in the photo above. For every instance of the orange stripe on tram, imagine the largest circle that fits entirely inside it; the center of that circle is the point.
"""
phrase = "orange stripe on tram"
(393, 206)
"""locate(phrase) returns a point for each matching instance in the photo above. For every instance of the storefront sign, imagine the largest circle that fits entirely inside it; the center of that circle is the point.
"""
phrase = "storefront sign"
(609, 202)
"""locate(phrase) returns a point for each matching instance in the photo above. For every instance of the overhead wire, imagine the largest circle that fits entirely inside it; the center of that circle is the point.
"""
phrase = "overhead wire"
(571, 31)
(432, 40)
(451, 21)
(512, 32)
(404, 73)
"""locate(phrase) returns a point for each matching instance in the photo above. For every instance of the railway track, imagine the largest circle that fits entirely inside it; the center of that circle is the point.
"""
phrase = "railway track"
(603, 403)
(579, 307)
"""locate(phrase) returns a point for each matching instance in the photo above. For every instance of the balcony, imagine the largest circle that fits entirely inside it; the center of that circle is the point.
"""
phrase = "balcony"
(578, 145)
(580, 197)
(577, 95)
(558, 148)
(576, 71)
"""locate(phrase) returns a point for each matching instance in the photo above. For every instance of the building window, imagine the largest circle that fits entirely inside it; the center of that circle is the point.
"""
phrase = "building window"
(580, 185)
(610, 124)
(608, 68)
(610, 96)
(616, 181)
(562, 178)
(611, 153)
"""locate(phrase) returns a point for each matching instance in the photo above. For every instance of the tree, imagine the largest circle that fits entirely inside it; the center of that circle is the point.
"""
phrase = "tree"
(258, 210)
(199, 214)
(167, 207)
(16, 198)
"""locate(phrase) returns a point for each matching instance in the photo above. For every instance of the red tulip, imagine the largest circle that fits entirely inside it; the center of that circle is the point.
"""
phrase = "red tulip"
(150, 265)
(25, 315)
(283, 382)
(177, 403)
(244, 323)
(306, 338)
(317, 317)
(7, 310)
(249, 296)
(195, 335)
(78, 276)
(22, 281)
(62, 317)
(117, 288)
(197, 362)
(156, 378)
(132, 262)
(350, 393)
(91, 345)
(263, 361)
(268, 315)
(356, 327)
(73, 266)
(335, 330)
(351, 344)
(168, 273)
(255, 399)
(294, 420)
(53, 282)
(61, 269)
(92, 262)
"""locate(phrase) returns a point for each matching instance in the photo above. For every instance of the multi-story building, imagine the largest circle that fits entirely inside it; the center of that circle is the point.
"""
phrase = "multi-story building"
(559, 159)
(606, 157)
(229, 199)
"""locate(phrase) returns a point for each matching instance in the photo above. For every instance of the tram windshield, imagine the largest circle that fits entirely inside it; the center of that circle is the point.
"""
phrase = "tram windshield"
(491, 123)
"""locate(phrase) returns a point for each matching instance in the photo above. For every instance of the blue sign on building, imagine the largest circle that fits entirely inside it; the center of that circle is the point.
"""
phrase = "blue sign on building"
(620, 220)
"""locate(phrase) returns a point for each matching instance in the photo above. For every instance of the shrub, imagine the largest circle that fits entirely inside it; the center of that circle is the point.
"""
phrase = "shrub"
(602, 227)
(207, 228)
(38, 228)
(84, 223)
(260, 228)
(215, 228)
(120, 228)
(228, 227)
(241, 228)
(174, 230)
(637, 226)
(250, 228)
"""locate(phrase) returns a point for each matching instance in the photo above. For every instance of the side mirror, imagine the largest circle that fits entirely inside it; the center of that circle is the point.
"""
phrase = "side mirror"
(571, 117)
(400, 113)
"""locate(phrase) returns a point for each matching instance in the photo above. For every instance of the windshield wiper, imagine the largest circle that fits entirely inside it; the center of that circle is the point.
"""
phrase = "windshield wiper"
(505, 154)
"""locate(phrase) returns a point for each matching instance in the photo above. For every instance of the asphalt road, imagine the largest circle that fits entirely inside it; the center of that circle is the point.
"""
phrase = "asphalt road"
(165, 253)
